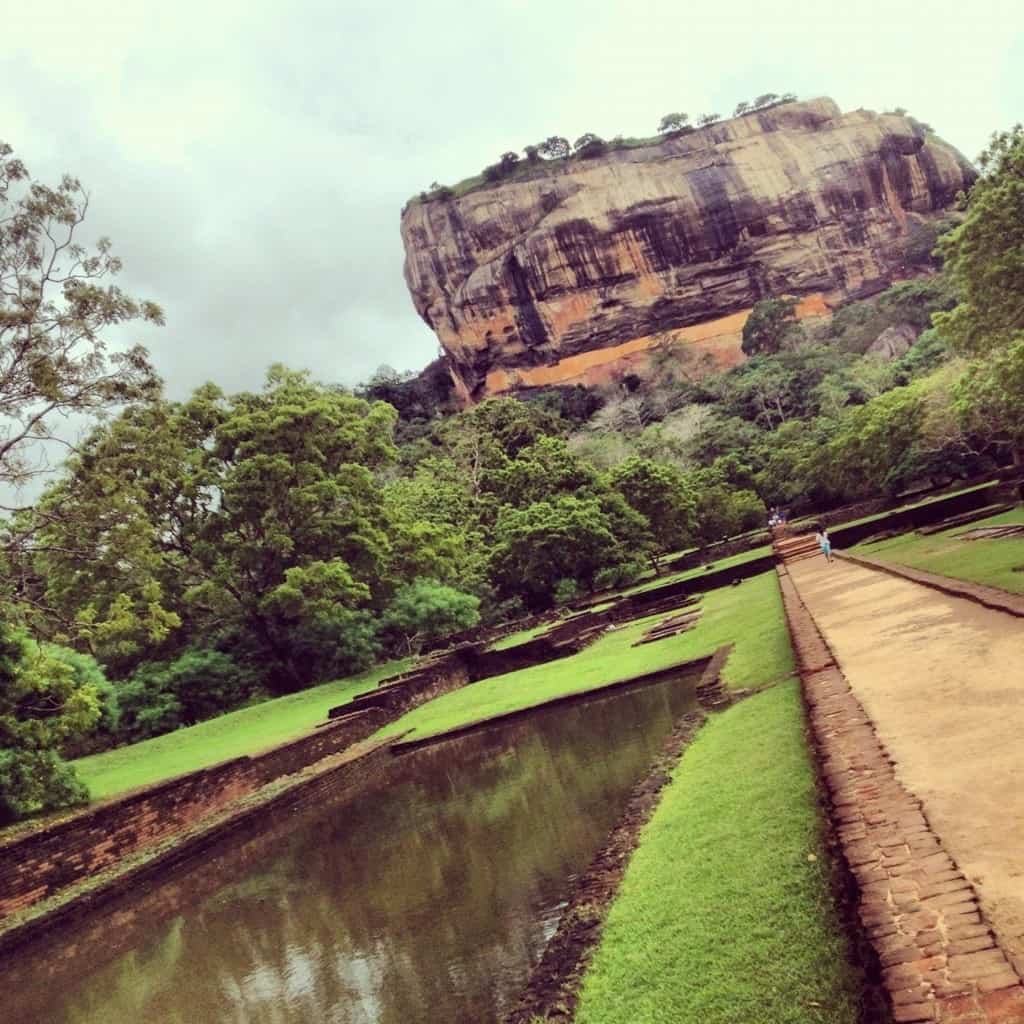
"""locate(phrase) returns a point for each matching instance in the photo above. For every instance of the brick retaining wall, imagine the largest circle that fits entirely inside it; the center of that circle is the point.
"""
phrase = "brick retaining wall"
(310, 792)
(40, 863)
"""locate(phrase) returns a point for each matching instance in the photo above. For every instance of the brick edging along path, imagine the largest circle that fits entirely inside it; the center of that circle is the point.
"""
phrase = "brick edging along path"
(940, 959)
(979, 593)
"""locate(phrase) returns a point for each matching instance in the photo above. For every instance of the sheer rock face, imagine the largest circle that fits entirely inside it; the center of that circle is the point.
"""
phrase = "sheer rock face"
(576, 273)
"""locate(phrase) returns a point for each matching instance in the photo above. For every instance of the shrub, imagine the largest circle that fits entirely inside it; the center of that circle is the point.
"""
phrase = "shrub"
(36, 780)
(163, 696)
(42, 708)
(426, 609)
(588, 145)
(86, 671)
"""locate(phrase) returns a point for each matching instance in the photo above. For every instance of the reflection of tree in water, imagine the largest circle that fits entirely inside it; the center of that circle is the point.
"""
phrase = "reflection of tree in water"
(428, 900)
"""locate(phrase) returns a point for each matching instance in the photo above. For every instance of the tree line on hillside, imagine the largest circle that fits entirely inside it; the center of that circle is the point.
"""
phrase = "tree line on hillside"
(192, 556)
(588, 145)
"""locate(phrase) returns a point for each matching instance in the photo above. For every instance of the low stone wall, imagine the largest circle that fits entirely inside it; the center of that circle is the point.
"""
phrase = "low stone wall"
(657, 599)
(720, 549)
(940, 960)
(400, 693)
(911, 518)
(40, 863)
(709, 691)
(249, 824)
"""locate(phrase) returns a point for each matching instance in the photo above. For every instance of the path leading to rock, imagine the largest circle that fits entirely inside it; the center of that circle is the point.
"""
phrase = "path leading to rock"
(942, 679)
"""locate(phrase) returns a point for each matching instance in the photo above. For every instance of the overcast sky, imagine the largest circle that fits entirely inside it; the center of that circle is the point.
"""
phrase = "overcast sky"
(250, 159)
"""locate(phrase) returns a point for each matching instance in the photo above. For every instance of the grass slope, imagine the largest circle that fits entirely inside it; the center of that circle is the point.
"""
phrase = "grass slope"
(722, 917)
(231, 735)
(521, 637)
(750, 615)
(700, 570)
(979, 561)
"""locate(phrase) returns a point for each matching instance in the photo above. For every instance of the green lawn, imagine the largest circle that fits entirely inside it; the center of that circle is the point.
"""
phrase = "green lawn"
(723, 916)
(979, 561)
(230, 735)
(700, 570)
(749, 615)
(521, 637)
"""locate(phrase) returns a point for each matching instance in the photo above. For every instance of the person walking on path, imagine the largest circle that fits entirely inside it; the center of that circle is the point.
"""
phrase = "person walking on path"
(824, 543)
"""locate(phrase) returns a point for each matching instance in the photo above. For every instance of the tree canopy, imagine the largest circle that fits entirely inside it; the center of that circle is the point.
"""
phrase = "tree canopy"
(56, 304)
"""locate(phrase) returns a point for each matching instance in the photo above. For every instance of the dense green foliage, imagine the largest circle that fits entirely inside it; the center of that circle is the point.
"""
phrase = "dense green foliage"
(44, 704)
(984, 256)
(725, 913)
(766, 328)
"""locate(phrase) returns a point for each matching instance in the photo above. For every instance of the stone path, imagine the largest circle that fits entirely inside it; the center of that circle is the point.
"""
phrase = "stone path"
(917, 704)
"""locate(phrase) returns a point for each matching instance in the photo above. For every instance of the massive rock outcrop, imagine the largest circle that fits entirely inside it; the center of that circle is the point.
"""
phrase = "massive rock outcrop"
(579, 269)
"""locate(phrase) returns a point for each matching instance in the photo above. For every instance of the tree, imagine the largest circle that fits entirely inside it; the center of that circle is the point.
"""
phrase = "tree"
(43, 705)
(588, 145)
(874, 440)
(989, 399)
(554, 147)
(55, 307)
(197, 685)
(540, 471)
(984, 256)
(550, 541)
(741, 108)
(426, 609)
(705, 119)
(675, 122)
(722, 510)
(257, 519)
(532, 154)
(765, 330)
(508, 161)
(765, 100)
(660, 494)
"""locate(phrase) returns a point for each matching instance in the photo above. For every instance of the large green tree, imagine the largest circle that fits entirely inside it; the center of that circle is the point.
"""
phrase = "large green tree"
(984, 256)
(989, 400)
(566, 539)
(258, 520)
(659, 493)
(770, 324)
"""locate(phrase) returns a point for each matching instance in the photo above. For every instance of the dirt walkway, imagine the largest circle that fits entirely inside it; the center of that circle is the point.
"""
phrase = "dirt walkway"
(943, 680)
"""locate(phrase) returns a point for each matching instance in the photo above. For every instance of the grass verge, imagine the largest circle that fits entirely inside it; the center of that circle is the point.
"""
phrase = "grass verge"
(522, 636)
(725, 912)
(992, 562)
(700, 570)
(749, 615)
(218, 739)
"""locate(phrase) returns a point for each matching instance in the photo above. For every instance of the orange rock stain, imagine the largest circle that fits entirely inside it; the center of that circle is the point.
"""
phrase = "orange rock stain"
(721, 338)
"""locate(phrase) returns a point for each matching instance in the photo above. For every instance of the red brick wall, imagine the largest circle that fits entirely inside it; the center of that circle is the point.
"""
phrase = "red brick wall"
(47, 860)
(160, 886)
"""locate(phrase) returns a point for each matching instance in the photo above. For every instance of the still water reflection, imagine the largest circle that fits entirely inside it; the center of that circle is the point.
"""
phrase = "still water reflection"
(426, 899)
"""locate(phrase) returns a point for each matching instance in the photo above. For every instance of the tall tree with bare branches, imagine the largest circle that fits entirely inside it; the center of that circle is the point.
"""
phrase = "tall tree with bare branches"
(57, 304)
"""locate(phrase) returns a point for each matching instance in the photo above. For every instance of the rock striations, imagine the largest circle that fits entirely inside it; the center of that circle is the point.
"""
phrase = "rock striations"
(573, 272)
